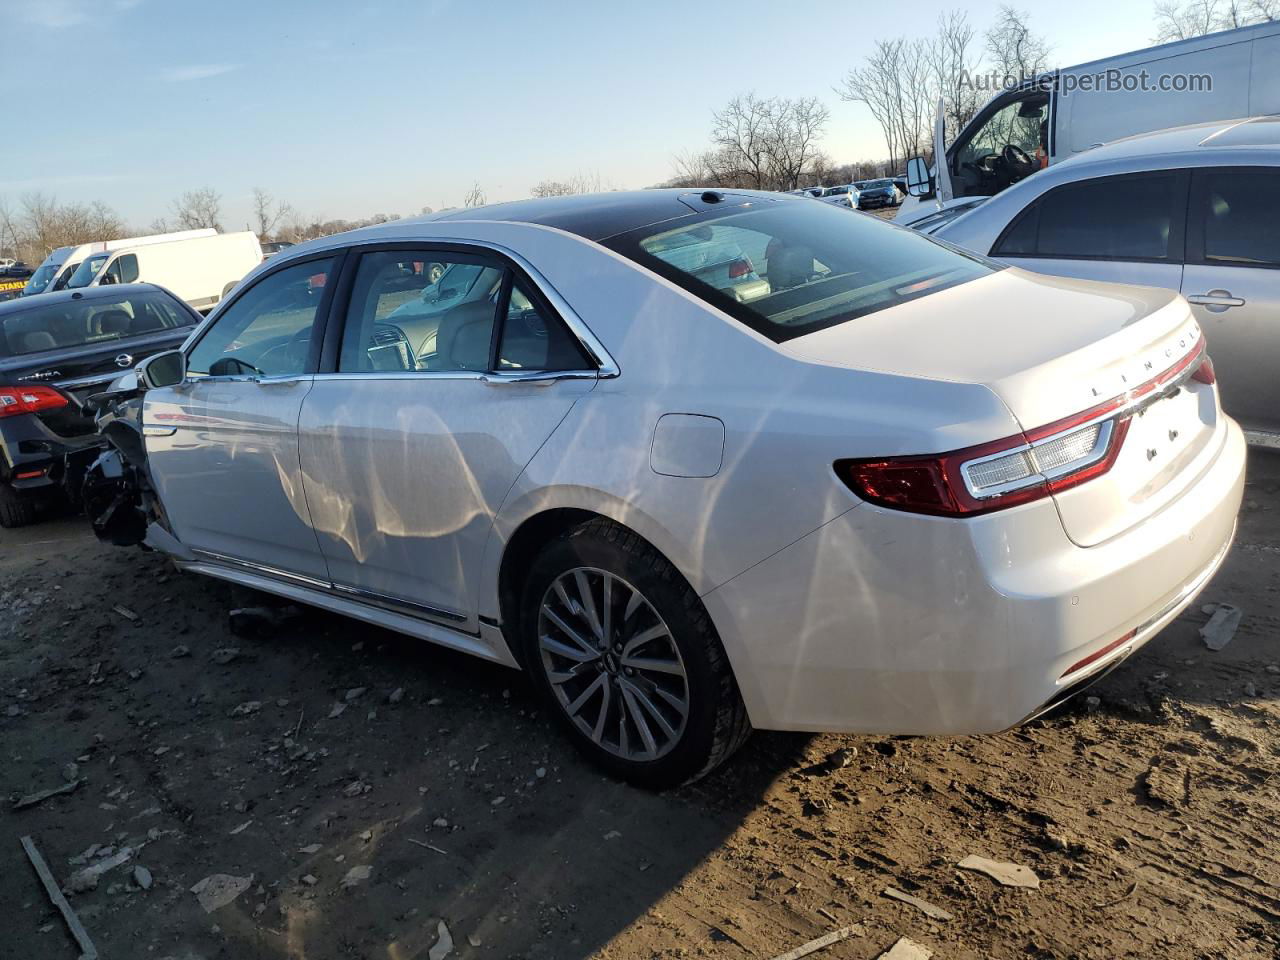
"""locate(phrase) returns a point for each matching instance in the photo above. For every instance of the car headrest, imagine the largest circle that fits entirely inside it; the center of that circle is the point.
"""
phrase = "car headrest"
(36, 340)
(113, 321)
(790, 267)
(462, 342)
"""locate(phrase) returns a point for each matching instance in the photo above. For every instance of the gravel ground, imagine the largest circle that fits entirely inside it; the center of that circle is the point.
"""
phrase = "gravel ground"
(360, 789)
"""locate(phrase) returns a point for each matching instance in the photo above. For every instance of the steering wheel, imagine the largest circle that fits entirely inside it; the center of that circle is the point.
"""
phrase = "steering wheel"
(1020, 165)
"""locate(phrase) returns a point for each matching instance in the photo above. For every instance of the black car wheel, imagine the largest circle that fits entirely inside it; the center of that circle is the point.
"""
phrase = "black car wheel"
(15, 509)
(624, 653)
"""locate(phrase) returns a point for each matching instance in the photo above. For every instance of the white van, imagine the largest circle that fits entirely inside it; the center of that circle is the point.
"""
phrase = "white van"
(1235, 73)
(199, 270)
(57, 268)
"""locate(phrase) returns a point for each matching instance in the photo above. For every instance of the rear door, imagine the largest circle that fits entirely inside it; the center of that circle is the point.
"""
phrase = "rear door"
(1124, 229)
(440, 394)
(1232, 280)
(223, 446)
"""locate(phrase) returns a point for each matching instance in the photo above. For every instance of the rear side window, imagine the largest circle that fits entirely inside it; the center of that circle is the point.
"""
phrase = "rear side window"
(535, 339)
(1110, 218)
(86, 323)
(1233, 214)
(791, 268)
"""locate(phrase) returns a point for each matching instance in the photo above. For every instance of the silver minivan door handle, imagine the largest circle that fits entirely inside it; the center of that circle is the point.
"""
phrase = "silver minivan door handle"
(1219, 299)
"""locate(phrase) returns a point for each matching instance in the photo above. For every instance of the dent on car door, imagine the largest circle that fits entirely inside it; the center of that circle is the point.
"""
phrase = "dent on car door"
(410, 446)
(1123, 229)
(1232, 280)
(223, 445)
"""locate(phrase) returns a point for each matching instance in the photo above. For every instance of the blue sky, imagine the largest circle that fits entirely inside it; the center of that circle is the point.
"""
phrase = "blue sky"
(347, 108)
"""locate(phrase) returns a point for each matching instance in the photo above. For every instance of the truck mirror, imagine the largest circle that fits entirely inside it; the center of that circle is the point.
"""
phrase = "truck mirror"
(919, 183)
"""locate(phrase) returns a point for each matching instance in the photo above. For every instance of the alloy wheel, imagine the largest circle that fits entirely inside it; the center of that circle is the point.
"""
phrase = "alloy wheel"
(613, 664)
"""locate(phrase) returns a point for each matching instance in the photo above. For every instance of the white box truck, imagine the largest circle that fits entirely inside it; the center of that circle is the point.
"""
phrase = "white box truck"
(199, 270)
(58, 267)
(1045, 119)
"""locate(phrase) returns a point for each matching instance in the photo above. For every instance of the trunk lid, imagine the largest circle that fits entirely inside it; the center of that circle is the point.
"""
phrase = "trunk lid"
(1051, 349)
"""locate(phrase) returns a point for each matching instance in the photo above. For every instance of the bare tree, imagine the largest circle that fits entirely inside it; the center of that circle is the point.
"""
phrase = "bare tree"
(1183, 19)
(791, 139)
(475, 197)
(8, 230)
(761, 143)
(577, 184)
(196, 209)
(1014, 49)
(268, 212)
(952, 58)
(740, 130)
(894, 84)
(42, 224)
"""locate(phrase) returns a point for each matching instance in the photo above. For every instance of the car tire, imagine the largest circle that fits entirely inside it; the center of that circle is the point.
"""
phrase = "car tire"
(15, 509)
(664, 663)
(434, 272)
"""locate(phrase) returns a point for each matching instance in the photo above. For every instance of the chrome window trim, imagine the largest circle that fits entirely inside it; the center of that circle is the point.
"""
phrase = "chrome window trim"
(606, 366)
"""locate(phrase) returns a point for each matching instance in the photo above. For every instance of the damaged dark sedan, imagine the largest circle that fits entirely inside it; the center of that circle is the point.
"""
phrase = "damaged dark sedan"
(56, 350)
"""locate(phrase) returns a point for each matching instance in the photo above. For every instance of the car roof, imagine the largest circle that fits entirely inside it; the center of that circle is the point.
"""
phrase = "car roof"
(112, 290)
(1259, 132)
(598, 216)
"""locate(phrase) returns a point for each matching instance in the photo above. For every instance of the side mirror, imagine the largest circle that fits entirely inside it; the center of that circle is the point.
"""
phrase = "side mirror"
(919, 183)
(166, 369)
(106, 279)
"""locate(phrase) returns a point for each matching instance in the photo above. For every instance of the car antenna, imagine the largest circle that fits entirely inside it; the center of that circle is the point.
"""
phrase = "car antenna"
(711, 196)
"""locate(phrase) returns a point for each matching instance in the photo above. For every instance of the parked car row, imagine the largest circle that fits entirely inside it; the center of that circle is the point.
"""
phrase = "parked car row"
(698, 462)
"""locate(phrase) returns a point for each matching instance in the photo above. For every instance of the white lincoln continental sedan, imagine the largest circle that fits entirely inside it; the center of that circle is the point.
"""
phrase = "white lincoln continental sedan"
(697, 461)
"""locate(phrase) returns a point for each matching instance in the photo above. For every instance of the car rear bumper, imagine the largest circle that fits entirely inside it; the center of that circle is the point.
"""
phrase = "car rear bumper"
(36, 461)
(893, 623)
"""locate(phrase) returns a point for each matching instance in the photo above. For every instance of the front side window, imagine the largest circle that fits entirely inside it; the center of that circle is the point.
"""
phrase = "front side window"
(1110, 218)
(267, 330)
(789, 269)
(1234, 211)
(81, 323)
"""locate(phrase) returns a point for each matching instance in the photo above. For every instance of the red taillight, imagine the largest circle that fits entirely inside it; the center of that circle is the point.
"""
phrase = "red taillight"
(16, 400)
(1205, 372)
(740, 268)
(1018, 469)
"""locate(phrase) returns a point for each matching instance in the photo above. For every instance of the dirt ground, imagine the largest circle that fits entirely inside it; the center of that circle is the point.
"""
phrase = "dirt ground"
(1151, 815)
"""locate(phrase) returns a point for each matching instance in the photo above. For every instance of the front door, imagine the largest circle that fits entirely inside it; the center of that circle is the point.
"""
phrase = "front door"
(223, 446)
(1232, 280)
(444, 392)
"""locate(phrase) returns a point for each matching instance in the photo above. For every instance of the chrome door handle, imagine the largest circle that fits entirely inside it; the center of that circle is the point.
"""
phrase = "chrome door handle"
(1219, 299)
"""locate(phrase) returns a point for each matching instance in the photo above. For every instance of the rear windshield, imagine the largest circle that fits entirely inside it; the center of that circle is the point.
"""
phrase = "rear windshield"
(77, 323)
(787, 269)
